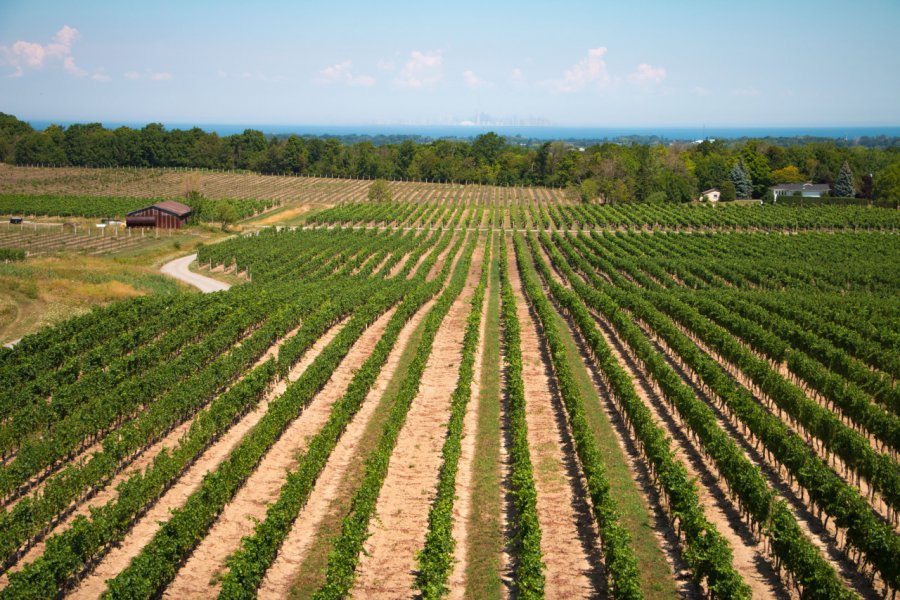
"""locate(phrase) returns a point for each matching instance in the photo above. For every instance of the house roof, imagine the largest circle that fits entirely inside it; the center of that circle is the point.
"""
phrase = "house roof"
(802, 187)
(710, 190)
(170, 206)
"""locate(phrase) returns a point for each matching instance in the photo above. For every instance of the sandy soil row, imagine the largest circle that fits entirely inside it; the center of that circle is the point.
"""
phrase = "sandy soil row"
(462, 507)
(198, 577)
(335, 484)
(569, 539)
(294, 550)
(147, 525)
(135, 464)
(398, 528)
(665, 535)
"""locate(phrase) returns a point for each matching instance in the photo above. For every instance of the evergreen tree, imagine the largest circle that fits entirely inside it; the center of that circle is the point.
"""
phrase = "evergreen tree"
(743, 186)
(843, 187)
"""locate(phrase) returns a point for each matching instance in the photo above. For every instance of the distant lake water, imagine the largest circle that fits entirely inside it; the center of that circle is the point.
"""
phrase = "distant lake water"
(533, 132)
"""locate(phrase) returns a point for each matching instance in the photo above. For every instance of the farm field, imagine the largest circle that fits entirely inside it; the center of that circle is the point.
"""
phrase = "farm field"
(470, 392)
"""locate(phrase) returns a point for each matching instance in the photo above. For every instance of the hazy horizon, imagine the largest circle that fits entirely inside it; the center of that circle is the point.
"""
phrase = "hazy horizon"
(577, 64)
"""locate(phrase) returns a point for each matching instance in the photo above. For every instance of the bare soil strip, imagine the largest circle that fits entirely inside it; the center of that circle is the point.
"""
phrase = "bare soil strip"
(142, 460)
(462, 507)
(750, 559)
(639, 500)
(332, 484)
(398, 530)
(199, 576)
(309, 575)
(442, 258)
(484, 544)
(119, 557)
(569, 540)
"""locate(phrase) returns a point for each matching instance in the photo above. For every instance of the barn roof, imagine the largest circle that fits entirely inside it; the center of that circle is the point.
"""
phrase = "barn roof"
(170, 206)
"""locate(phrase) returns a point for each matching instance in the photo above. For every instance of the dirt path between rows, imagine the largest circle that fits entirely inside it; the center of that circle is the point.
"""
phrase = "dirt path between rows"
(293, 552)
(199, 576)
(569, 539)
(143, 460)
(397, 531)
(462, 507)
(146, 527)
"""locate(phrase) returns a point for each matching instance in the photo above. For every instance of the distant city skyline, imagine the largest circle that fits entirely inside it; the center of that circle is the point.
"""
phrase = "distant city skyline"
(600, 64)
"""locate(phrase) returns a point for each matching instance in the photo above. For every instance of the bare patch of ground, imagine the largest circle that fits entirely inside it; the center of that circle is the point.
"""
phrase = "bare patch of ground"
(397, 532)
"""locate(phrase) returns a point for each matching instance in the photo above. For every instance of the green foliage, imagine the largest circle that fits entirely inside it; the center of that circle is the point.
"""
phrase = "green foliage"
(887, 185)
(728, 191)
(624, 172)
(844, 187)
(743, 185)
(11, 254)
(788, 174)
(380, 191)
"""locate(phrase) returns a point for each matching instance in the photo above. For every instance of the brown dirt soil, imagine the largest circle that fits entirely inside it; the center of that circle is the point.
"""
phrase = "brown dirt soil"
(462, 508)
(146, 527)
(284, 215)
(398, 529)
(442, 258)
(199, 576)
(569, 540)
(141, 462)
(281, 575)
(395, 270)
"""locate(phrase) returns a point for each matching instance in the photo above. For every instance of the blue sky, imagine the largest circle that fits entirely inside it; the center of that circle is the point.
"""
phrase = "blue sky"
(598, 63)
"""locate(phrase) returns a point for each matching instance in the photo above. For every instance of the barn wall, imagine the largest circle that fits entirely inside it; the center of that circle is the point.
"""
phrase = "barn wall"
(163, 219)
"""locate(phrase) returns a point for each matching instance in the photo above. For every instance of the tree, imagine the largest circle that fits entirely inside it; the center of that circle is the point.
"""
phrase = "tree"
(887, 185)
(743, 185)
(843, 187)
(380, 191)
(789, 174)
(756, 166)
(226, 213)
(589, 190)
(728, 192)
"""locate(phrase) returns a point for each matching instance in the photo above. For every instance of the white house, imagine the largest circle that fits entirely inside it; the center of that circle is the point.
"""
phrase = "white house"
(807, 190)
(710, 195)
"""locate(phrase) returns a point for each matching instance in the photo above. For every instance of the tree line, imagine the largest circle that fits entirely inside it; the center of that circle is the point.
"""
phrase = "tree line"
(616, 172)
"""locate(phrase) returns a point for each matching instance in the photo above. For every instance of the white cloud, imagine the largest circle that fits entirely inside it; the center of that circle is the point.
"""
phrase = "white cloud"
(23, 55)
(517, 77)
(342, 72)
(647, 74)
(132, 75)
(474, 81)
(66, 36)
(422, 69)
(161, 76)
(589, 70)
(73, 69)
(386, 65)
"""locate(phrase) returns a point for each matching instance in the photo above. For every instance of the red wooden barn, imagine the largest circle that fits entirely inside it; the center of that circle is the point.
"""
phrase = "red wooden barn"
(165, 215)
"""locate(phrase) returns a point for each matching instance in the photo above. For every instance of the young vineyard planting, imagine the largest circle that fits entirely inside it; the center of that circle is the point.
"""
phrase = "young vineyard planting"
(470, 392)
